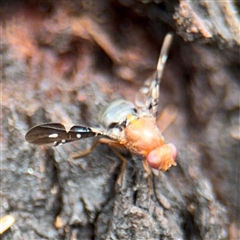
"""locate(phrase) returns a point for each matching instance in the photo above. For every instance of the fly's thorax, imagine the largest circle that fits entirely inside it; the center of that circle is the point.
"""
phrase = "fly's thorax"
(142, 136)
(115, 113)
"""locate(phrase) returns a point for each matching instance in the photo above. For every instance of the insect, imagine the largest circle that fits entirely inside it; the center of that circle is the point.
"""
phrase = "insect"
(122, 125)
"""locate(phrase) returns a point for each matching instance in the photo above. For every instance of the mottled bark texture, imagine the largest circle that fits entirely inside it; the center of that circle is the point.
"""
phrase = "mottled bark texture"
(61, 61)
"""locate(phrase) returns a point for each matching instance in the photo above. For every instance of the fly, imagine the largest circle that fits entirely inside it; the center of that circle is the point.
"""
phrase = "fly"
(122, 125)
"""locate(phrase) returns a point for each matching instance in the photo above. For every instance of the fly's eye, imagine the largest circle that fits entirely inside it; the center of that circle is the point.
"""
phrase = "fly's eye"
(163, 157)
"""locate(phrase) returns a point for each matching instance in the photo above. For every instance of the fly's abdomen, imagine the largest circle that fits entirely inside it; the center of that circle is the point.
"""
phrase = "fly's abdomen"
(115, 113)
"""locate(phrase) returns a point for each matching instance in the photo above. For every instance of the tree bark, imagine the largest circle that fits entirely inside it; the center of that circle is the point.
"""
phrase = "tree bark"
(62, 61)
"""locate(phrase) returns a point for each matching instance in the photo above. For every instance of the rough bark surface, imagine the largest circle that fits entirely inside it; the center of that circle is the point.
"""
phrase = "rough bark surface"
(61, 61)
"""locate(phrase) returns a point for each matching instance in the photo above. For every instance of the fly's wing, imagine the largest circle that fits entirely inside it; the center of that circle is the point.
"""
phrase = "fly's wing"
(57, 133)
(150, 90)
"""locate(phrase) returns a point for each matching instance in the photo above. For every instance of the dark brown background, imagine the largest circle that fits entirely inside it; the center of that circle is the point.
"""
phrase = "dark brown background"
(61, 61)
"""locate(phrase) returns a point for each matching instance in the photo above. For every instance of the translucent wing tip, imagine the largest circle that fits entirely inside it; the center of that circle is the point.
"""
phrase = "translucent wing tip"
(164, 51)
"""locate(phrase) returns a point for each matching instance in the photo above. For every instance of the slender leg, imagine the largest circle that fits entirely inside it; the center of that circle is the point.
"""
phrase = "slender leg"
(112, 144)
(124, 163)
(100, 140)
(167, 117)
(83, 153)
(149, 173)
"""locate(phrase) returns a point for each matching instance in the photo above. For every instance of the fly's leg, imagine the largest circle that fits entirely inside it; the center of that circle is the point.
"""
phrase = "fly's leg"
(124, 163)
(149, 173)
(107, 141)
(112, 144)
(167, 117)
(86, 152)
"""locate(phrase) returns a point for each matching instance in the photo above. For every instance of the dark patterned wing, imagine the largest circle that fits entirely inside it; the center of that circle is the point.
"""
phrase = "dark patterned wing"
(57, 133)
(149, 93)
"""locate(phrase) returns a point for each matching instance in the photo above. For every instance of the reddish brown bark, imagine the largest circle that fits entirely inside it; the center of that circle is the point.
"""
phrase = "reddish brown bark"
(61, 61)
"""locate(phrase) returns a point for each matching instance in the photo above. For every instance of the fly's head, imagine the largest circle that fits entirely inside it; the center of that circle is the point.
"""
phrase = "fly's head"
(143, 137)
(163, 157)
